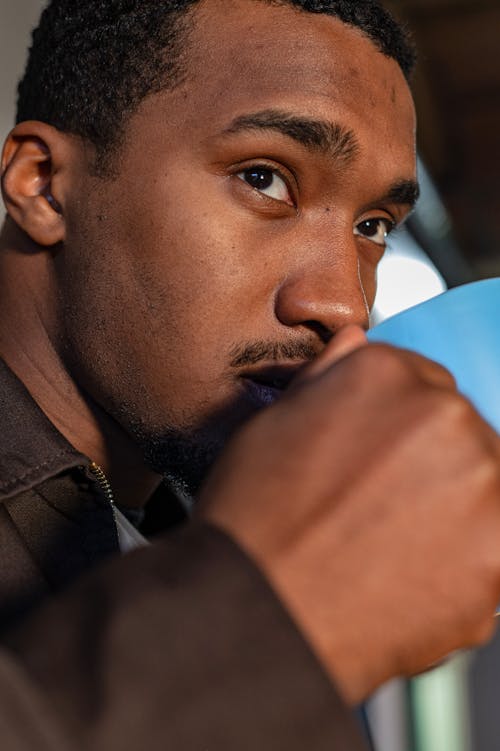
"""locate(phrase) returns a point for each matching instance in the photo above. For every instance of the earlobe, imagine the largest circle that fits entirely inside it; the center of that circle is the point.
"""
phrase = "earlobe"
(30, 182)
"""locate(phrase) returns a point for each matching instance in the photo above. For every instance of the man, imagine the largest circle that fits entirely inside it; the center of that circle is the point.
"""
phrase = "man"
(198, 194)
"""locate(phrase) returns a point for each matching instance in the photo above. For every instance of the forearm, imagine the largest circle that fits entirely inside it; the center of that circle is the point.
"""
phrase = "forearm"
(183, 646)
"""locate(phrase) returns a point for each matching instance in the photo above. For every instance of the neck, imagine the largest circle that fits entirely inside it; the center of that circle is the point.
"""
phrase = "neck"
(28, 346)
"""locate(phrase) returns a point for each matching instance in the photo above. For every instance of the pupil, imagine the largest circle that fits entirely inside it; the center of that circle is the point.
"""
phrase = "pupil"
(259, 179)
(371, 227)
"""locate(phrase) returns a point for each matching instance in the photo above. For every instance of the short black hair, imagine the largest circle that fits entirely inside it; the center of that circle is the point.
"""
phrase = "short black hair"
(92, 62)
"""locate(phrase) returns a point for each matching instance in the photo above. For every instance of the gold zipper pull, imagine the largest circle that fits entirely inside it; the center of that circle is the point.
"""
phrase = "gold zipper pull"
(128, 536)
(105, 486)
(103, 481)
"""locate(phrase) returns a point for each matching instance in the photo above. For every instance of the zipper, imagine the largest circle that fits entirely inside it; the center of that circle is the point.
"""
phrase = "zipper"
(106, 489)
(128, 536)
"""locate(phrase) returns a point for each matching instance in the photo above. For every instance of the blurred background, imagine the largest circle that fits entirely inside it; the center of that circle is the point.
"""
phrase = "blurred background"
(458, 98)
(452, 238)
(17, 17)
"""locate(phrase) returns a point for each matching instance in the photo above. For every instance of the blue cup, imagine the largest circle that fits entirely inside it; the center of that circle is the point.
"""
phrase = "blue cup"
(461, 330)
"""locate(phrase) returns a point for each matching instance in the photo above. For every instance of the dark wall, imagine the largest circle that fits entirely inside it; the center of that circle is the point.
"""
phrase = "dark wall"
(16, 19)
(458, 95)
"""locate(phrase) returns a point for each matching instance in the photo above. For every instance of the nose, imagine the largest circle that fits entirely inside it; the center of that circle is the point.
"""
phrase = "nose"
(323, 295)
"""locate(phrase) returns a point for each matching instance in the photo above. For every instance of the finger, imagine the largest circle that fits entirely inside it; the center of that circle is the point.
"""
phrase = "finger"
(425, 369)
(347, 340)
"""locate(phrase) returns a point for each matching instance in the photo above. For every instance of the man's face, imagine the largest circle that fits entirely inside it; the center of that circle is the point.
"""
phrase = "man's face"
(243, 229)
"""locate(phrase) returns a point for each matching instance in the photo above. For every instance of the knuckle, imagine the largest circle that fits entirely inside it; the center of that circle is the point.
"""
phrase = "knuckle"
(485, 481)
(485, 602)
(489, 469)
(383, 362)
(443, 376)
(411, 367)
(454, 409)
(485, 630)
(484, 610)
(476, 623)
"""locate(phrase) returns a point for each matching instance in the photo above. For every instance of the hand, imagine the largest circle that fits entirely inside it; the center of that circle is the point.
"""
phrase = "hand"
(370, 496)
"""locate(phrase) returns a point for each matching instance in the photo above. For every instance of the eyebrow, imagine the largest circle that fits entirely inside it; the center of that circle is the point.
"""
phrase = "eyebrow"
(332, 139)
(404, 192)
(316, 135)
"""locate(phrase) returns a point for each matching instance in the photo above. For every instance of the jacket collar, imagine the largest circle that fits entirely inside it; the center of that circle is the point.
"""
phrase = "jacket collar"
(31, 449)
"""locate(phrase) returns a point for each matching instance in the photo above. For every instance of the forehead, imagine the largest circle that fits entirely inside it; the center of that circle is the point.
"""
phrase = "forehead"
(248, 56)
(248, 53)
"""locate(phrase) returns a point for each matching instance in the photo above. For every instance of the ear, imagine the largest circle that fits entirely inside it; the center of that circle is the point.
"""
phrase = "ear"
(33, 163)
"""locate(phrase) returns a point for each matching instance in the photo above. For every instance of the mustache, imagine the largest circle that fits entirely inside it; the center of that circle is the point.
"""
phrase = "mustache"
(256, 352)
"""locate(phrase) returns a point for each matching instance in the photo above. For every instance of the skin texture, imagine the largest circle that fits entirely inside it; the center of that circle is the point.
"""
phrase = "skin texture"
(392, 562)
(148, 306)
(167, 271)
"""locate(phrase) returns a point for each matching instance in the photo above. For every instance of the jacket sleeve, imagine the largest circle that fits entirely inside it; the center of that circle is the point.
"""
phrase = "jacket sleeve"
(182, 646)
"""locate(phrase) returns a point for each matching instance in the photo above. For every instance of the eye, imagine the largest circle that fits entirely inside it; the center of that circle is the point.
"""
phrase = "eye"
(375, 230)
(268, 182)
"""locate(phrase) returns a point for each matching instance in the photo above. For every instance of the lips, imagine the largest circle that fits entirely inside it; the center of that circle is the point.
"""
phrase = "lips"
(266, 385)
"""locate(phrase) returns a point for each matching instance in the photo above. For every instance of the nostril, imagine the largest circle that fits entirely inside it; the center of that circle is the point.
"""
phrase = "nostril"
(323, 332)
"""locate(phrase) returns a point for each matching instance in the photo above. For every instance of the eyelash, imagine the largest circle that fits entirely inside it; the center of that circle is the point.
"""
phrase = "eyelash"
(390, 223)
(287, 177)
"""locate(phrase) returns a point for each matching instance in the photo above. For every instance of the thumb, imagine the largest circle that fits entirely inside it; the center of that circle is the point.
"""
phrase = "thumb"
(348, 339)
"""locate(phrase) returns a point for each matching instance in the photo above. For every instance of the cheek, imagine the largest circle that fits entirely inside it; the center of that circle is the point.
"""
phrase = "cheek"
(208, 258)
(157, 298)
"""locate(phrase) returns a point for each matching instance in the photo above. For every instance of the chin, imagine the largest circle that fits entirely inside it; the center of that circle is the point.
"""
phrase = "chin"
(186, 456)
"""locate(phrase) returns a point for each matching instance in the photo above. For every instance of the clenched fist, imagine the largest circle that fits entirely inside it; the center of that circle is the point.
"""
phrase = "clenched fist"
(370, 497)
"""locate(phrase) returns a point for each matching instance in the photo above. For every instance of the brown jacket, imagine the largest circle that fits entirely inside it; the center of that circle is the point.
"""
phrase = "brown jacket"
(181, 646)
